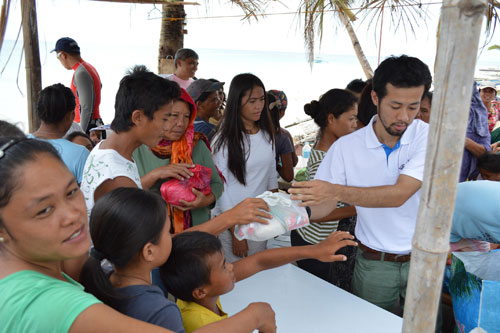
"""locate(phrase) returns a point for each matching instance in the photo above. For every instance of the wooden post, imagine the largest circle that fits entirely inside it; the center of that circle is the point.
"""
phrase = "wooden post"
(456, 59)
(32, 60)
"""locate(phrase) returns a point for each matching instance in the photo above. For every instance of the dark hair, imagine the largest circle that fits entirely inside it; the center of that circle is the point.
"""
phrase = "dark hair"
(231, 131)
(366, 108)
(223, 105)
(274, 112)
(8, 129)
(183, 54)
(401, 72)
(187, 269)
(204, 95)
(54, 103)
(122, 222)
(356, 85)
(18, 153)
(71, 136)
(429, 95)
(142, 90)
(490, 162)
(334, 101)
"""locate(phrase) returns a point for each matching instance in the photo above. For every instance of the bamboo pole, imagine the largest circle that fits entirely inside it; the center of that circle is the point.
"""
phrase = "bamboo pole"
(32, 60)
(456, 58)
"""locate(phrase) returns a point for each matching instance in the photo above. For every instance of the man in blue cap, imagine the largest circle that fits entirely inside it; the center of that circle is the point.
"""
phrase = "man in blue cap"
(86, 83)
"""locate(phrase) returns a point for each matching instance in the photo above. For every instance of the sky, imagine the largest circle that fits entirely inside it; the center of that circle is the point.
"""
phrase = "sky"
(104, 24)
(139, 24)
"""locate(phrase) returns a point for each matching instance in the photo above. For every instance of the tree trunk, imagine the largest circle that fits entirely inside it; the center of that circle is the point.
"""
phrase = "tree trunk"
(4, 16)
(32, 60)
(171, 36)
(356, 45)
(456, 58)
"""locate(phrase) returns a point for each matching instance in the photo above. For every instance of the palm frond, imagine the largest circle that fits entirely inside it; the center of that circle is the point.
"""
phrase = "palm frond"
(252, 8)
(405, 14)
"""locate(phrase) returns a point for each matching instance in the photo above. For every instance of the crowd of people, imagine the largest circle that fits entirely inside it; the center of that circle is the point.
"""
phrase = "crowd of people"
(88, 243)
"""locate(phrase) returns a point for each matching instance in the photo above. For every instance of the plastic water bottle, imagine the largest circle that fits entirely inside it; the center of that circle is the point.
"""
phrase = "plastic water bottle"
(306, 151)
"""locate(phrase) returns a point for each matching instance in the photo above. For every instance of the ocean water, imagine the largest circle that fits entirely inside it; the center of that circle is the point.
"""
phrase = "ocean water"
(289, 72)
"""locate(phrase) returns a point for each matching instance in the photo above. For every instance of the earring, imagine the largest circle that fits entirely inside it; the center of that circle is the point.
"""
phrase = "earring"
(1, 239)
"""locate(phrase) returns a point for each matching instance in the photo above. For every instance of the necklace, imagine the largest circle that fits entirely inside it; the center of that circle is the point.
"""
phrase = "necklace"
(132, 277)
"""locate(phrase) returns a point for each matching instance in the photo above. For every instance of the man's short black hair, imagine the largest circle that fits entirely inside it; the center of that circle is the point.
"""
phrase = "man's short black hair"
(54, 103)
(356, 86)
(186, 268)
(401, 72)
(141, 89)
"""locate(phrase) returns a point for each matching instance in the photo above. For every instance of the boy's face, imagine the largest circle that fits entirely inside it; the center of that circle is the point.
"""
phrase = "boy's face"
(153, 130)
(222, 277)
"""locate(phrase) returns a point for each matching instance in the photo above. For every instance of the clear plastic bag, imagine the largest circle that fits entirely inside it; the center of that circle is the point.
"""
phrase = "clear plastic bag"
(287, 215)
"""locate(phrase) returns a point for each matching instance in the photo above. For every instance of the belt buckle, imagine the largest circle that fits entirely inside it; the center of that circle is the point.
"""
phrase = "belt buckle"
(400, 257)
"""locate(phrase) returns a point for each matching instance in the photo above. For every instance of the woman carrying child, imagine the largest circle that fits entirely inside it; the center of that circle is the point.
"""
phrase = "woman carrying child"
(244, 152)
(335, 114)
(181, 144)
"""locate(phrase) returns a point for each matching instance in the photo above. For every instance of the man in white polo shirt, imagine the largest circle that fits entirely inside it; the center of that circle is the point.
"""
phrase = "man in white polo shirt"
(379, 169)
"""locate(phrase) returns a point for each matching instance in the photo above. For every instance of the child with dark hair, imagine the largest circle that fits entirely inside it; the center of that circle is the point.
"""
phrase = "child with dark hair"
(489, 166)
(130, 229)
(81, 139)
(56, 110)
(198, 274)
(286, 159)
(142, 110)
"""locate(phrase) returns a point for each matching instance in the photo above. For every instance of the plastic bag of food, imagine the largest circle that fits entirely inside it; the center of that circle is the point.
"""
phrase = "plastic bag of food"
(174, 190)
(286, 215)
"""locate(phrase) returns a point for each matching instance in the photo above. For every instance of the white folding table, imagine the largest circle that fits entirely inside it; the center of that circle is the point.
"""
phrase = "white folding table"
(304, 303)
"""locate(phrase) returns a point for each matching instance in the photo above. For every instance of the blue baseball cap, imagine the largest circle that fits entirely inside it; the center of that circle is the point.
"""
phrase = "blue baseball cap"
(67, 44)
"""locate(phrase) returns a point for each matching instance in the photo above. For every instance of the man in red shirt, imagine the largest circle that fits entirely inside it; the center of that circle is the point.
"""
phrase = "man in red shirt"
(86, 84)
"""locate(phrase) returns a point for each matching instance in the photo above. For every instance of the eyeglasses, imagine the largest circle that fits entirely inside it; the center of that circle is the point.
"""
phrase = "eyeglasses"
(6, 146)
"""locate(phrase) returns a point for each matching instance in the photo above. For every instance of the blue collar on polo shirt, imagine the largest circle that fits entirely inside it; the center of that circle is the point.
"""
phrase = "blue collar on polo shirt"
(388, 150)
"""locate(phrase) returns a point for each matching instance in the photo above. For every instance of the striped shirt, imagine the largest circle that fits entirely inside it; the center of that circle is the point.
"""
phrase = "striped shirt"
(316, 232)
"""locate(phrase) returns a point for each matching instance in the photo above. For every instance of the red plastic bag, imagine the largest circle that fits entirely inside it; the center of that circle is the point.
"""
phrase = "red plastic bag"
(174, 190)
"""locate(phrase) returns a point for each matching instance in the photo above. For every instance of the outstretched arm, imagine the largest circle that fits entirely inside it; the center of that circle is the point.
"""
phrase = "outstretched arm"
(320, 195)
(102, 318)
(324, 251)
(247, 211)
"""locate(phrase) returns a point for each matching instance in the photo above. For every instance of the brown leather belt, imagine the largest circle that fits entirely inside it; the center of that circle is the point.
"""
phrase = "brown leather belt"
(372, 254)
